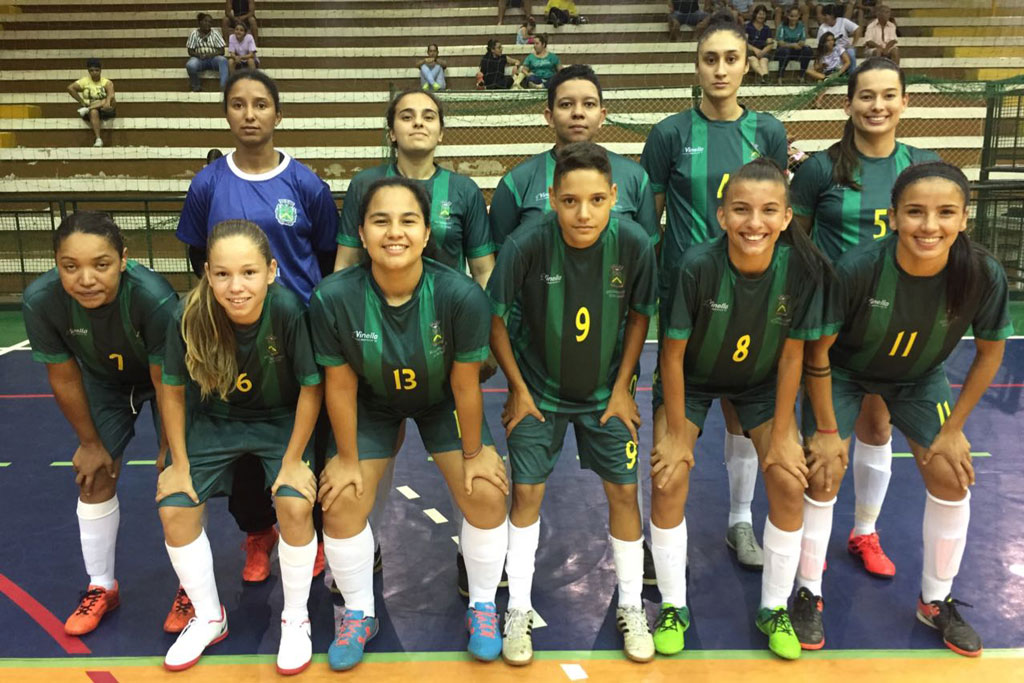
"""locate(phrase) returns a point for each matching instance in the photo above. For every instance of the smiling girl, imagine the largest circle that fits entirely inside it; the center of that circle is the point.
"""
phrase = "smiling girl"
(98, 322)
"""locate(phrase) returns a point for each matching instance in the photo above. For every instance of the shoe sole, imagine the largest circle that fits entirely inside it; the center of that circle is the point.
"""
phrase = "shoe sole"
(748, 567)
(189, 665)
(868, 571)
(292, 672)
(965, 653)
(514, 662)
(78, 632)
(812, 646)
(639, 660)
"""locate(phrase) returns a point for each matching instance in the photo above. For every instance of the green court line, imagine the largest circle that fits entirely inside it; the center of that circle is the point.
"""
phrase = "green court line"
(141, 462)
(61, 463)
(5, 464)
(981, 454)
(551, 655)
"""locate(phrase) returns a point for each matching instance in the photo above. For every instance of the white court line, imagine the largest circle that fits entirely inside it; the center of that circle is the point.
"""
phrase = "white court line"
(407, 492)
(20, 346)
(575, 672)
(455, 540)
(435, 516)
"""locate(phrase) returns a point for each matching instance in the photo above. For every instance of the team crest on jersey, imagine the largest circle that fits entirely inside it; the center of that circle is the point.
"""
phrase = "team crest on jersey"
(782, 311)
(617, 276)
(446, 209)
(285, 212)
(755, 154)
(436, 338)
(272, 348)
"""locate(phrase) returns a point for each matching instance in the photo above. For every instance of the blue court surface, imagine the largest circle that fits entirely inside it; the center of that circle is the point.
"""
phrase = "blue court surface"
(574, 590)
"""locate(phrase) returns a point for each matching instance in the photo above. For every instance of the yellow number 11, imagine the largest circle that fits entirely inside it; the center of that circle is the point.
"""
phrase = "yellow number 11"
(899, 340)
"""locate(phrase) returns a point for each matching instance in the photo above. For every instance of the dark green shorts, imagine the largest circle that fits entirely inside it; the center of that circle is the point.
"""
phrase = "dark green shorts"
(114, 409)
(378, 428)
(754, 406)
(215, 444)
(918, 408)
(534, 447)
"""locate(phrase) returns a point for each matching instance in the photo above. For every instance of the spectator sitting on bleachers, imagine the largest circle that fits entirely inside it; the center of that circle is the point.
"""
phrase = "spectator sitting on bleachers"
(492, 69)
(845, 31)
(242, 48)
(742, 10)
(560, 12)
(759, 41)
(525, 4)
(205, 52)
(689, 12)
(431, 70)
(96, 95)
(239, 10)
(831, 60)
(541, 64)
(782, 8)
(524, 36)
(880, 36)
(791, 39)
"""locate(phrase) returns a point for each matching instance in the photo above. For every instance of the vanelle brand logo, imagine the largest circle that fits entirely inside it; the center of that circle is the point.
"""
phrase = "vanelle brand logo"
(878, 303)
(717, 307)
(78, 332)
(550, 279)
(361, 336)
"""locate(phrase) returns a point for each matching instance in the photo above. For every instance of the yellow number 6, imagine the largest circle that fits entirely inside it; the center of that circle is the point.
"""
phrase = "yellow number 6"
(243, 383)
(582, 323)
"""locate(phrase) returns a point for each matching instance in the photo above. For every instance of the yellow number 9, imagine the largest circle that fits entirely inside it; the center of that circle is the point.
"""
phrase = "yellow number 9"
(630, 454)
(243, 383)
(582, 323)
(880, 215)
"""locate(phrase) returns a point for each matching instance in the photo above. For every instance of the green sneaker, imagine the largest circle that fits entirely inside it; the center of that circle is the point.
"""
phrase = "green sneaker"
(776, 625)
(669, 628)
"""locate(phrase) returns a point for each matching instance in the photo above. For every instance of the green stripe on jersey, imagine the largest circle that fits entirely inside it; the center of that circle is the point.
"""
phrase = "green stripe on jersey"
(270, 385)
(611, 320)
(768, 350)
(373, 370)
(439, 191)
(554, 332)
(882, 305)
(717, 326)
(699, 176)
(435, 361)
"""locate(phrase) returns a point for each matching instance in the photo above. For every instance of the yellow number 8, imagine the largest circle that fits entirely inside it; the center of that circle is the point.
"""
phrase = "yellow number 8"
(630, 454)
(243, 383)
(742, 349)
(582, 323)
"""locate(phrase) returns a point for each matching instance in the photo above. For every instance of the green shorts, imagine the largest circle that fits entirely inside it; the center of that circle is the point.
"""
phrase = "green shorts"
(534, 447)
(754, 406)
(114, 409)
(378, 427)
(215, 444)
(918, 408)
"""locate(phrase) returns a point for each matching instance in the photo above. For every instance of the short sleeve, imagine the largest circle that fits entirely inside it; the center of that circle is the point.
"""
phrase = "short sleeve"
(323, 214)
(323, 325)
(656, 159)
(646, 213)
(348, 228)
(175, 373)
(192, 224)
(155, 324)
(806, 187)
(678, 318)
(472, 327)
(504, 214)
(851, 27)
(807, 322)
(992, 320)
(476, 231)
(778, 144)
(645, 287)
(47, 345)
(506, 279)
(301, 349)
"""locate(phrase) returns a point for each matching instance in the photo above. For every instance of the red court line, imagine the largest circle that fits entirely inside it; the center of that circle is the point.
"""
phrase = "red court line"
(43, 617)
(26, 395)
(101, 677)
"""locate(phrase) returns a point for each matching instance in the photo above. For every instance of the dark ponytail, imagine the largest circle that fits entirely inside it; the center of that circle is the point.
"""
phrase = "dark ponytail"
(765, 169)
(844, 155)
(965, 264)
(722, 20)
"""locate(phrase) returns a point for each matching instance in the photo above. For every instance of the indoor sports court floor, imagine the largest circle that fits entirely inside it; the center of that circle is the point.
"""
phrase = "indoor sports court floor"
(870, 624)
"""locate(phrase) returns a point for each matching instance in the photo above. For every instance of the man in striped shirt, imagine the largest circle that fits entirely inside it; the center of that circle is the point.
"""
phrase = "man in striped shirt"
(205, 52)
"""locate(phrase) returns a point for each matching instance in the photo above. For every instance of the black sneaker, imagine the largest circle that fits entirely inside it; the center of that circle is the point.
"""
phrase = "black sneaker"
(649, 575)
(806, 619)
(378, 560)
(957, 634)
(462, 582)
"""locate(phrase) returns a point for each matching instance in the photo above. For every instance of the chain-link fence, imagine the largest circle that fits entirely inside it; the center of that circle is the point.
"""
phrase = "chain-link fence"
(1004, 128)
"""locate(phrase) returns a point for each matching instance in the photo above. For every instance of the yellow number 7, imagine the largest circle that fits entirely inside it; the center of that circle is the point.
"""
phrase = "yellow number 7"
(119, 358)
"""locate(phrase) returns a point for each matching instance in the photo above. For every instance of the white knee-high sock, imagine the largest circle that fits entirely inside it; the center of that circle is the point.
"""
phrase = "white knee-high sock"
(741, 465)
(629, 569)
(380, 502)
(296, 574)
(781, 559)
(668, 547)
(97, 528)
(484, 551)
(522, 553)
(351, 561)
(817, 530)
(193, 563)
(872, 469)
(945, 535)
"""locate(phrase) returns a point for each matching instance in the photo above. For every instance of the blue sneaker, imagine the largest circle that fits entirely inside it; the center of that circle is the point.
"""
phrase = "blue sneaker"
(347, 650)
(484, 636)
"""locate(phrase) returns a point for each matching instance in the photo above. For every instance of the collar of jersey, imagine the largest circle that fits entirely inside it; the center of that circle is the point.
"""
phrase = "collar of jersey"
(272, 173)
(696, 110)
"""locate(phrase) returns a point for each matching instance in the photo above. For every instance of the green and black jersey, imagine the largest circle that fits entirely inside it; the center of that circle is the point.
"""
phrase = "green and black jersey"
(275, 360)
(115, 343)
(574, 304)
(893, 326)
(522, 195)
(737, 326)
(844, 217)
(403, 354)
(458, 214)
(690, 157)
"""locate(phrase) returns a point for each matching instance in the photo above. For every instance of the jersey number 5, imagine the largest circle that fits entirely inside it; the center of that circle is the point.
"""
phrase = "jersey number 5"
(405, 379)
(880, 216)
(742, 349)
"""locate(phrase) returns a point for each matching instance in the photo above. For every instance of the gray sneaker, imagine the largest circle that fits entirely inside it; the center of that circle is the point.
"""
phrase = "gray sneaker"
(517, 645)
(740, 538)
(637, 642)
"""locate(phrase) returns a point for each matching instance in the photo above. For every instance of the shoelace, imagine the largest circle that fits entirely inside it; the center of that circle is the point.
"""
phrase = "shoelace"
(485, 622)
(954, 613)
(89, 600)
(870, 542)
(182, 603)
(631, 619)
(352, 629)
(668, 619)
(518, 621)
(780, 622)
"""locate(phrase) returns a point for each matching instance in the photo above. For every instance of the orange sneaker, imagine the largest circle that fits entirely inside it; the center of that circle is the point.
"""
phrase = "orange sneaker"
(257, 555)
(96, 602)
(320, 561)
(868, 548)
(181, 611)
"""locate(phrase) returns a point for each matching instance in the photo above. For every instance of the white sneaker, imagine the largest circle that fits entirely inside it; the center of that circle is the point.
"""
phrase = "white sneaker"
(636, 634)
(517, 644)
(296, 649)
(82, 111)
(98, 143)
(193, 640)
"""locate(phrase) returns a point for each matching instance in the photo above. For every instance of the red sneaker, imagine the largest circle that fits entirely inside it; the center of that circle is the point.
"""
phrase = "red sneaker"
(868, 548)
(257, 555)
(318, 563)
(96, 602)
(181, 612)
